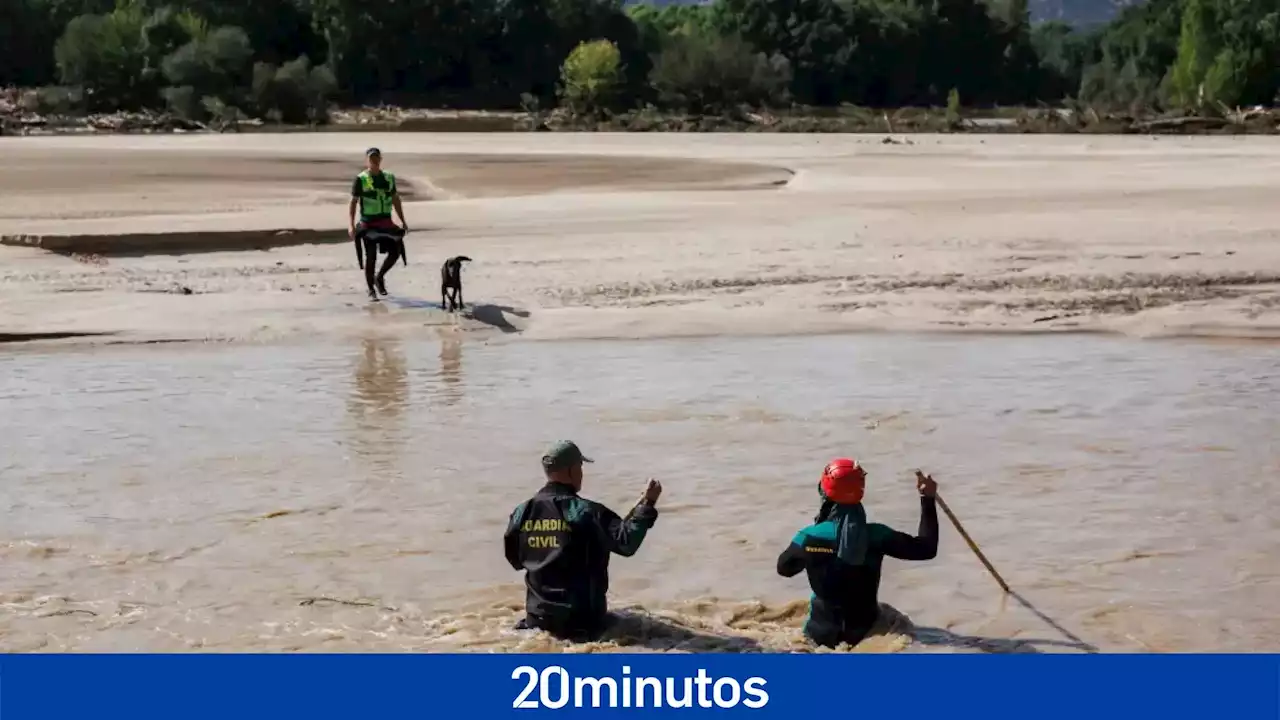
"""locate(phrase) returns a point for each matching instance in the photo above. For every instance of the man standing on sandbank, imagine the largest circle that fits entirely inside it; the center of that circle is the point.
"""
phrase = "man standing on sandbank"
(374, 192)
(563, 542)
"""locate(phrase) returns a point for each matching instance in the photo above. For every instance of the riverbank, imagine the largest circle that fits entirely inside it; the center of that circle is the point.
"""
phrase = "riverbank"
(19, 118)
(131, 238)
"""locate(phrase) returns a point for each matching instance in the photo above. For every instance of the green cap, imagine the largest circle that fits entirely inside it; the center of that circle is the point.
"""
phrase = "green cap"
(562, 455)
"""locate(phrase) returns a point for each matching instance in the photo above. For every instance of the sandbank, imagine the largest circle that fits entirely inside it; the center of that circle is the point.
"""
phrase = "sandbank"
(242, 238)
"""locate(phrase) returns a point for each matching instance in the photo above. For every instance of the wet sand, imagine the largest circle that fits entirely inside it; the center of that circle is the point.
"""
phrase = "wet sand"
(627, 236)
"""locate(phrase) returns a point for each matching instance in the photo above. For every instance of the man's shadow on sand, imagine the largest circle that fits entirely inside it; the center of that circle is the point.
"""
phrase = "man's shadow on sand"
(494, 316)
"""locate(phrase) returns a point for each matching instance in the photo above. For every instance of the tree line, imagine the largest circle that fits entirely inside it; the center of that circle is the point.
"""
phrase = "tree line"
(290, 59)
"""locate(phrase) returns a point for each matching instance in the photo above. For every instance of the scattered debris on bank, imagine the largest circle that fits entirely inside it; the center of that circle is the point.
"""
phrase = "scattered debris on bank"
(923, 120)
(19, 117)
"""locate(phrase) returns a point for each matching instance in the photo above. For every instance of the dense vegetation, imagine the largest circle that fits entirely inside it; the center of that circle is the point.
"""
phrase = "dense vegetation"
(289, 59)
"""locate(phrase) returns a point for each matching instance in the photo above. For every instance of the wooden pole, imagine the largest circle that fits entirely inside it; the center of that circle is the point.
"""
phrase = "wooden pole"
(972, 545)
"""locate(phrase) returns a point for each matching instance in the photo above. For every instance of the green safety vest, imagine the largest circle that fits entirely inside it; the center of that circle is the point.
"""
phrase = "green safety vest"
(376, 202)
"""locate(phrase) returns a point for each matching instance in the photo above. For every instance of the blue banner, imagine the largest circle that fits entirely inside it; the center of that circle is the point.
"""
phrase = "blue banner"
(364, 687)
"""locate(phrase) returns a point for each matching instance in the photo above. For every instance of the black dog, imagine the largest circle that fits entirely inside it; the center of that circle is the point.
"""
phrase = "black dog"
(451, 283)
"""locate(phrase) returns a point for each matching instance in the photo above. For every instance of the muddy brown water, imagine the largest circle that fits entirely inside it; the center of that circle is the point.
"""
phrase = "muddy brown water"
(352, 495)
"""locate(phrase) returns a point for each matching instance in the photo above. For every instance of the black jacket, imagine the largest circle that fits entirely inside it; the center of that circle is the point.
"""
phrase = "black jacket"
(563, 543)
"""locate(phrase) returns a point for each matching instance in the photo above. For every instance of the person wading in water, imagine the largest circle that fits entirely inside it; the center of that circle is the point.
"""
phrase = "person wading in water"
(563, 542)
(374, 193)
(843, 554)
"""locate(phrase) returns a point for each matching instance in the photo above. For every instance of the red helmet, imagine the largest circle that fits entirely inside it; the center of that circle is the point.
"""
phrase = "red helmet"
(843, 481)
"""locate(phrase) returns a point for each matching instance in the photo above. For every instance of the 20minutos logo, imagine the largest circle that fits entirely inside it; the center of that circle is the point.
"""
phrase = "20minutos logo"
(553, 688)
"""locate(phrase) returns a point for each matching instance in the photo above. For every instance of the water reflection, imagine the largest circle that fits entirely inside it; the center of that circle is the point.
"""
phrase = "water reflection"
(451, 390)
(378, 403)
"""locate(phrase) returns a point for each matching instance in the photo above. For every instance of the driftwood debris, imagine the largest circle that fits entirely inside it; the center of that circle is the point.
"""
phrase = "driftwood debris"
(21, 113)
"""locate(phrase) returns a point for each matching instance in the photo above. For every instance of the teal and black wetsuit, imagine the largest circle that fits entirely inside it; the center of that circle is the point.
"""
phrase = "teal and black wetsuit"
(845, 601)
(563, 543)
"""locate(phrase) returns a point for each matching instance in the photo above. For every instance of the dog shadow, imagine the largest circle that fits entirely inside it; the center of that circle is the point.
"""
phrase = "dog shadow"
(492, 315)
(495, 316)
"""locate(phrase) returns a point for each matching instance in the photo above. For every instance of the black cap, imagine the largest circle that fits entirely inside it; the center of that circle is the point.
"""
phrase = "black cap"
(373, 152)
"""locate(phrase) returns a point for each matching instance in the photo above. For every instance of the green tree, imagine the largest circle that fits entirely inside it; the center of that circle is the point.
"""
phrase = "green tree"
(591, 77)
(1131, 56)
(820, 38)
(1062, 53)
(953, 109)
(106, 55)
(1246, 70)
(215, 65)
(128, 54)
(278, 30)
(702, 72)
(27, 31)
(168, 29)
(295, 92)
(1196, 51)
(657, 25)
(579, 21)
